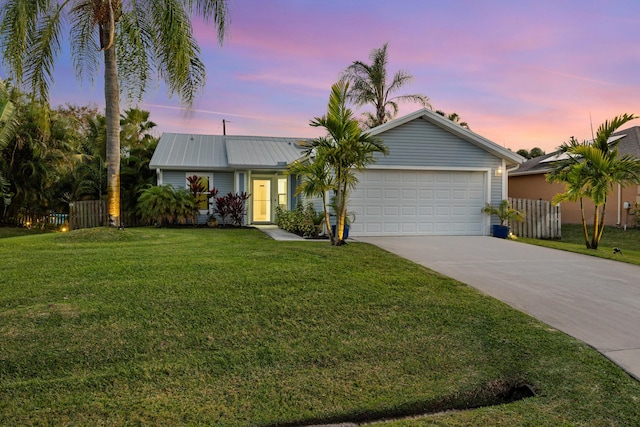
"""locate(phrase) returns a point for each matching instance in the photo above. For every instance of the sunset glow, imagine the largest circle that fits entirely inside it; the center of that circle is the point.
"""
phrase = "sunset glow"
(522, 74)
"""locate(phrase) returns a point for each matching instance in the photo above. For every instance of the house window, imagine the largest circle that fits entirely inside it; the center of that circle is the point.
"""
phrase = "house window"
(282, 193)
(200, 184)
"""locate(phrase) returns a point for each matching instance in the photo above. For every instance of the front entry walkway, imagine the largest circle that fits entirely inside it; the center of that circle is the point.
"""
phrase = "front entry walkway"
(592, 299)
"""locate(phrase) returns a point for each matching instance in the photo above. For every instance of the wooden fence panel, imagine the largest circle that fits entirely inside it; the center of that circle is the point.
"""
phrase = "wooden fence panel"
(542, 219)
(88, 214)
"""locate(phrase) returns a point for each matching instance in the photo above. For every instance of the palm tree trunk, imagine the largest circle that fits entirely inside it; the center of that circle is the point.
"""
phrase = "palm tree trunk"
(112, 113)
(596, 225)
(604, 211)
(327, 220)
(584, 225)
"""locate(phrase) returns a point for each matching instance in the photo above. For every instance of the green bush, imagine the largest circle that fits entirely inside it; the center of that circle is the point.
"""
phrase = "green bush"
(164, 205)
(300, 221)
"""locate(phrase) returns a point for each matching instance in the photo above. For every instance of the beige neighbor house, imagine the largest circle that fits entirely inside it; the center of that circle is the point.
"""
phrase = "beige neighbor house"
(528, 182)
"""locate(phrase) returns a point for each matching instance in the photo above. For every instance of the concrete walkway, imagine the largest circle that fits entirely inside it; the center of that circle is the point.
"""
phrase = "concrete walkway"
(279, 234)
(592, 299)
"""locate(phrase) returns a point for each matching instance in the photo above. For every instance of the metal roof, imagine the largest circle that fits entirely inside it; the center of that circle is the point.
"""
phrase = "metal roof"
(189, 151)
(261, 151)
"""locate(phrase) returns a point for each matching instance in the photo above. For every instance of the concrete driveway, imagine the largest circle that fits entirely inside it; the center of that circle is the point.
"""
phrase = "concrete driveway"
(592, 299)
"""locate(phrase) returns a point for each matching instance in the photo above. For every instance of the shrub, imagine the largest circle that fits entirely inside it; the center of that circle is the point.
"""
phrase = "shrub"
(232, 208)
(300, 221)
(164, 204)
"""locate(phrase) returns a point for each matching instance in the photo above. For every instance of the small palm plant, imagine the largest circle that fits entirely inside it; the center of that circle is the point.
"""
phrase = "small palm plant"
(505, 212)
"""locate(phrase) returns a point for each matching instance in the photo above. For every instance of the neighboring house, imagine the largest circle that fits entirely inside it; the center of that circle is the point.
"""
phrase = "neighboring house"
(529, 182)
(435, 181)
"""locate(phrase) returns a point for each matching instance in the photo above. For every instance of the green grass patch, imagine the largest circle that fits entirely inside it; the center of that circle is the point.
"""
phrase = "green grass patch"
(229, 328)
(628, 241)
(19, 231)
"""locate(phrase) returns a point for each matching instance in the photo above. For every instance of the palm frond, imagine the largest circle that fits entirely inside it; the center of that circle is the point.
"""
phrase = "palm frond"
(42, 52)
(135, 42)
(18, 20)
(215, 10)
(177, 51)
(85, 46)
(606, 129)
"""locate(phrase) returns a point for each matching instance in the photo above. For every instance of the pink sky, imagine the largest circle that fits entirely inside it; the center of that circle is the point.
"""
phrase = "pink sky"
(522, 74)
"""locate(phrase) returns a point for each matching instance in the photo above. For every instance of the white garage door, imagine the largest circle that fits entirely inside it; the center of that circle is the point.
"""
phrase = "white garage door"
(388, 202)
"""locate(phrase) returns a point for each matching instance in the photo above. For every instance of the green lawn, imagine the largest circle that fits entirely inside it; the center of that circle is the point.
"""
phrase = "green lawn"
(628, 241)
(229, 328)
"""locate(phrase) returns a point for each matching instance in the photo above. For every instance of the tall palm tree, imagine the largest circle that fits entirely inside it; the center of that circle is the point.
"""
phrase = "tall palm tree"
(591, 169)
(369, 85)
(135, 37)
(346, 149)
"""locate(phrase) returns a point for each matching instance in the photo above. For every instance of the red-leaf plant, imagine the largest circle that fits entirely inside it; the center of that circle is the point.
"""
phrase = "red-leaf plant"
(232, 207)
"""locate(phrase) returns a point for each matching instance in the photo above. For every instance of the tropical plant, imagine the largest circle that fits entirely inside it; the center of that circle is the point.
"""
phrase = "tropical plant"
(504, 212)
(454, 117)
(164, 205)
(345, 150)
(315, 181)
(5, 196)
(590, 171)
(8, 124)
(135, 175)
(135, 127)
(369, 86)
(136, 38)
(231, 208)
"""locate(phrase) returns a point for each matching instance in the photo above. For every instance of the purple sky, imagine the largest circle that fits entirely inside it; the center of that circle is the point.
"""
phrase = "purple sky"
(522, 74)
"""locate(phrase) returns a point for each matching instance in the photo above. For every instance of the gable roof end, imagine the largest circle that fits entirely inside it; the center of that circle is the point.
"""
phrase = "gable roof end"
(510, 157)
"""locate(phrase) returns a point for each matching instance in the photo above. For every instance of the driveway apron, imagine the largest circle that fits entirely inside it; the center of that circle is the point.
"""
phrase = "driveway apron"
(592, 299)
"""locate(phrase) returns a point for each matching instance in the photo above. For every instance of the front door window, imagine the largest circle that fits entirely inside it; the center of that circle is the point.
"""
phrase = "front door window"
(261, 194)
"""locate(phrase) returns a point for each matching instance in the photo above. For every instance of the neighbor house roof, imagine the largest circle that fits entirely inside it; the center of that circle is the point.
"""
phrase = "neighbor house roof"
(209, 152)
(509, 156)
(628, 143)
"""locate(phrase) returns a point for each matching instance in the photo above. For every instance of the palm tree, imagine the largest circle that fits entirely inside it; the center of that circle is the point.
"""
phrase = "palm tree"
(135, 37)
(316, 181)
(590, 170)
(369, 85)
(345, 150)
(136, 127)
(454, 117)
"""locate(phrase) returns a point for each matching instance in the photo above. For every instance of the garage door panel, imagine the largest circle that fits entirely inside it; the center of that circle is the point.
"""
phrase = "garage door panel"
(425, 194)
(391, 211)
(419, 203)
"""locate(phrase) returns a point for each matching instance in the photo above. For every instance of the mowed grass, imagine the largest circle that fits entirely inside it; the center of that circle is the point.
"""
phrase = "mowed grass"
(628, 241)
(229, 328)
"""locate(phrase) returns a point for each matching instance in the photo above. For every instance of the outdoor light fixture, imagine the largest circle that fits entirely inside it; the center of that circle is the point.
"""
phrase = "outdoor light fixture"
(499, 171)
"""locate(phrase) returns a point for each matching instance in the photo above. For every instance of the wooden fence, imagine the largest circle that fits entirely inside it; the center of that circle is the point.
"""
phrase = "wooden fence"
(40, 220)
(88, 214)
(542, 219)
(94, 213)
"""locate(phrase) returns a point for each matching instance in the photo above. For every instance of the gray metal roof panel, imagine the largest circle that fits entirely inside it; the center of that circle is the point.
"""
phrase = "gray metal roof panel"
(261, 151)
(189, 151)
